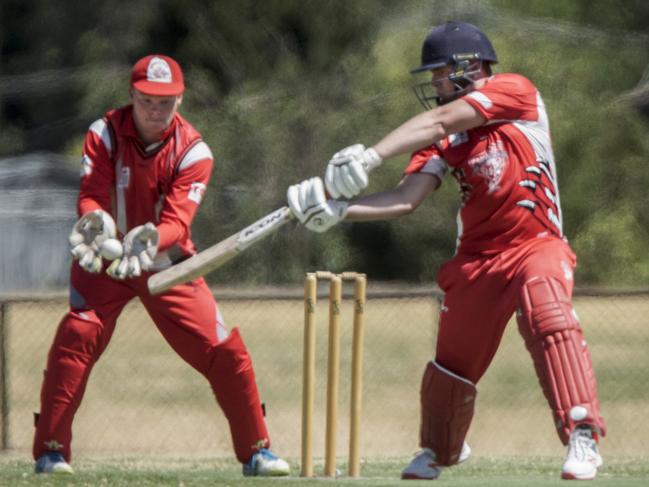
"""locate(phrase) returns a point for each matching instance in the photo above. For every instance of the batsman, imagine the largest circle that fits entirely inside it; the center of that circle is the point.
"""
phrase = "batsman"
(491, 132)
(144, 171)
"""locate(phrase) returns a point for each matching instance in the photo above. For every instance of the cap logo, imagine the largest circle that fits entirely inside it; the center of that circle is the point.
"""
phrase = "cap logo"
(158, 71)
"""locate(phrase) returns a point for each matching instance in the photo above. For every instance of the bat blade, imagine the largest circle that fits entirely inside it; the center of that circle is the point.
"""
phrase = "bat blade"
(218, 254)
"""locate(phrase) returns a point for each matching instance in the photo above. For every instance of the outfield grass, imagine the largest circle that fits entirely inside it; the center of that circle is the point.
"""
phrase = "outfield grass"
(484, 472)
(143, 402)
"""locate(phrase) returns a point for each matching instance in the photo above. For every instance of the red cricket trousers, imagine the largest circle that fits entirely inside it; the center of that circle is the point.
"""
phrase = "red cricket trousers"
(536, 280)
(187, 317)
(482, 293)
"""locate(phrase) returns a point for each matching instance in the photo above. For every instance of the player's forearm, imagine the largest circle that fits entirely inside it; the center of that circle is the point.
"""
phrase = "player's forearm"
(95, 189)
(182, 202)
(170, 232)
(86, 204)
(402, 200)
(379, 206)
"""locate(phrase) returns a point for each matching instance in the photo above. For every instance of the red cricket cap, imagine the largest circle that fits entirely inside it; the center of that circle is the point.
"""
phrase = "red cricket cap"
(157, 75)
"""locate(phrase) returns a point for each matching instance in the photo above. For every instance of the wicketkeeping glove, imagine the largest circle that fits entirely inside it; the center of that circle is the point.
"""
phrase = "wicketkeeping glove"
(140, 248)
(86, 238)
(309, 205)
(347, 171)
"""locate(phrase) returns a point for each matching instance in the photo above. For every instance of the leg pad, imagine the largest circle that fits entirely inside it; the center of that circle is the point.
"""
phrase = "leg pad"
(447, 405)
(552, 334)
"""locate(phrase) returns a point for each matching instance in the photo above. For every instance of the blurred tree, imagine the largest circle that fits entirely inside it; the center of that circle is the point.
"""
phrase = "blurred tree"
(277, 86)
(623, 15)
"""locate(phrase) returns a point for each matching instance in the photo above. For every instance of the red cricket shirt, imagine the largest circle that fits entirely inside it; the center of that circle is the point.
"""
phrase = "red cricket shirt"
(161, 183)
(505, 168)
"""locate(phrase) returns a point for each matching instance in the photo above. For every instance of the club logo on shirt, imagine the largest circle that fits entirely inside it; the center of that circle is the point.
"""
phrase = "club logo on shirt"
(124, 177)
(196, 192)
(490, 165)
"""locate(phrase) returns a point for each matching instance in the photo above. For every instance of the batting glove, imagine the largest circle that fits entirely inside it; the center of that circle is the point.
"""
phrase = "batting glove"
(310, 206)
(140, 248)
(347, 172)
(87, 237)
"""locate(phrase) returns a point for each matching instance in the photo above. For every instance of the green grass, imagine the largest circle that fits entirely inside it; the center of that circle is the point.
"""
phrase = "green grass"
(143, 400)
(144, 403)
(485, 472)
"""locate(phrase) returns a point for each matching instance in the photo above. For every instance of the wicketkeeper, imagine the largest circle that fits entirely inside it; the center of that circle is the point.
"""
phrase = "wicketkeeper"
(491, 132)
(144, 171)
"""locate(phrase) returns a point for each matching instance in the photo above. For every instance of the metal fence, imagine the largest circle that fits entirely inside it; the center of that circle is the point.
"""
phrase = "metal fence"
(143, 400)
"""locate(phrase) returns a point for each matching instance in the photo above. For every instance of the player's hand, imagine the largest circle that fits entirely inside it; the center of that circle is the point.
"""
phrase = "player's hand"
(347, 171)
(88, 236)
(140, 248)
(309, 205)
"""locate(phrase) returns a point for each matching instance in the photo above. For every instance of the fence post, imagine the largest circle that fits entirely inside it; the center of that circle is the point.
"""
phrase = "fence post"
(4, 383)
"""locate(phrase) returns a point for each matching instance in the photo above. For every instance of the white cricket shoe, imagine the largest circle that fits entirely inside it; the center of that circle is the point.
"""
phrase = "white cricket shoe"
(265, 464)
(425, 467)
(583, 458)
(52, 462)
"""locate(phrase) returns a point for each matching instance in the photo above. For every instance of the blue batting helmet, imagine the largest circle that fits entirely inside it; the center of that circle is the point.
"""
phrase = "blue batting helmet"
(465, 49)
(452, 43)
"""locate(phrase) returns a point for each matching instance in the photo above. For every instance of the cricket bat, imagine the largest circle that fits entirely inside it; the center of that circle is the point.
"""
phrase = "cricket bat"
(218, 254)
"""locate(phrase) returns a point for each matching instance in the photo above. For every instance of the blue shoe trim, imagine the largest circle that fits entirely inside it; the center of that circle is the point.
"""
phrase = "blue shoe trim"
(266, 453)
(250, 467)
(48, 457)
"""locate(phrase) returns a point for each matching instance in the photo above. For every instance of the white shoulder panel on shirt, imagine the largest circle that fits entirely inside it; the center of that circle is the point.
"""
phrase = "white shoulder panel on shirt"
(100, 128)
(481, 98)
(197, 153)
